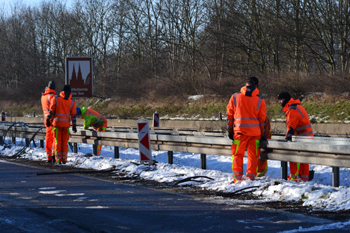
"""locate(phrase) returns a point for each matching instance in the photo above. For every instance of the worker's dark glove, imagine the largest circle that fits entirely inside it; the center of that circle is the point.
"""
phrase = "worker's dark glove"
(48, 122)
(288, 139)
(263, 142)
(230, 135)
(74, 129)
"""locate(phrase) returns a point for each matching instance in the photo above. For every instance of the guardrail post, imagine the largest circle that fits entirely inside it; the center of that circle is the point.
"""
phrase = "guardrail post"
(116, 152)
(41, 143)
(75, 147)
(170, 157)
(27, 142)
(284, 170)
(13, 140)
(203, 161)
(94, 149)
(335, 176)
(1, 140)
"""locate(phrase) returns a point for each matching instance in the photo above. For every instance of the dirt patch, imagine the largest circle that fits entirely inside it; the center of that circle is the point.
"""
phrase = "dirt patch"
(294, 207)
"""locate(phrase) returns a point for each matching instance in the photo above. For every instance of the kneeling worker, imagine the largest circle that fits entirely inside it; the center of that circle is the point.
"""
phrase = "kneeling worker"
(94, 119)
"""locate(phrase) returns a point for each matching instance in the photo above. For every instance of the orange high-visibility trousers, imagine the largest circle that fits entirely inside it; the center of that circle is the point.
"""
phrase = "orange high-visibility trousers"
(239, 145)
(301, 169)
(49, 141)
(61, 135)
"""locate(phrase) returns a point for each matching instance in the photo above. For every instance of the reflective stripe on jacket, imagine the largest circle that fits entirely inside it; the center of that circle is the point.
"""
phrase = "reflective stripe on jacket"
(246, 112)
(92, 118)
(45, 101)
(297, 119)
(63, 110)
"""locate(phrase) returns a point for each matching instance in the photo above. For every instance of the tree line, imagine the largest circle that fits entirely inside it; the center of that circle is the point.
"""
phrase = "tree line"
(159, 48)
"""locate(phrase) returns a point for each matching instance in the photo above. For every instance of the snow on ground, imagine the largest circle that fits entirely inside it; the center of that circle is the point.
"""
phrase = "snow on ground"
(318, 194)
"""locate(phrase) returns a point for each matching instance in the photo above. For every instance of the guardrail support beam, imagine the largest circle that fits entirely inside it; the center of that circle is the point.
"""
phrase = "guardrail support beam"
(284, 170)
(75, 147)
(170, 157)
(94, 149)
(203, 161)
(116, 152)
(335, 176)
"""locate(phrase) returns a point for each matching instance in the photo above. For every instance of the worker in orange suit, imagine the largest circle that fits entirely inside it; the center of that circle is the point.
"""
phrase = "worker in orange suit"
(298, 123)
(262, 163)
(246, 114)
(62, 111)
(94, 119)
(45, 103)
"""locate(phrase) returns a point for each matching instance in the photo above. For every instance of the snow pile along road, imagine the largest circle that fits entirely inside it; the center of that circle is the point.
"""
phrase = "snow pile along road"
(318, 194)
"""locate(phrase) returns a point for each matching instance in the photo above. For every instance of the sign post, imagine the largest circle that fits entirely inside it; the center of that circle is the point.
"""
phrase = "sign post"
(3, 116)
(144, 141)
(79, 76)
(156, 119)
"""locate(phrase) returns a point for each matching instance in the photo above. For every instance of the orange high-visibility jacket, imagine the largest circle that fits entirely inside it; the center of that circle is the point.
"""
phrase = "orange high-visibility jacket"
(297, 119)
(246, 112)
(63, 110)
(45, 102)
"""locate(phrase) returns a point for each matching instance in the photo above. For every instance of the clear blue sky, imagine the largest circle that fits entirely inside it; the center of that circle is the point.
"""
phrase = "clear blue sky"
(8, 3)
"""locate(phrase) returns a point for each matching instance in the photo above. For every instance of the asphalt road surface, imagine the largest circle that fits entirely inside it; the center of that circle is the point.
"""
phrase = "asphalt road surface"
(77, 203)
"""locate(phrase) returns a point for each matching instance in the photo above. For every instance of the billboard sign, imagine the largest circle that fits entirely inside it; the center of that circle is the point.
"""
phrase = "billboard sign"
(79, 76)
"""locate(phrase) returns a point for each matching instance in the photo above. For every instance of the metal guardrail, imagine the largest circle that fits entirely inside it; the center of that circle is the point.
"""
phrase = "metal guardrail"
(334, 152)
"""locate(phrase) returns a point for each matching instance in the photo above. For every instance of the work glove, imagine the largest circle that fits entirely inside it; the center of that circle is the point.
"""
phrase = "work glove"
(48, 122)
(288, 139)
(263, 142)
(74, 129)
(230, 135)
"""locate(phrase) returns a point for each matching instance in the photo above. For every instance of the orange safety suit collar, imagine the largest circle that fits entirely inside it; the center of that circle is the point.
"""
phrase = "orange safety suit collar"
(48, 91)
(290, 102)
(63, 95)
(250, 90)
